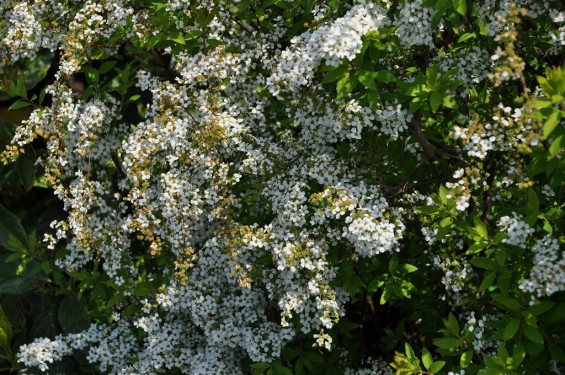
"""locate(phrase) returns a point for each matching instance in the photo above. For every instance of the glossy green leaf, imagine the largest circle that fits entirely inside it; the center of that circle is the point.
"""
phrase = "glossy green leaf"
(511, 329)
(555, 146)
(107, 66)
(384, 76)
(335, 74)
(72, 314)
(427, 359)
(12, 234)
(483, 262)
(452, 324)
(446, 342)
(466, 359)
(436, 367)
(518, 355)
(487, 280)
(460, 6)
(533, 334)
(20, 104)
(436, 100)
(551, 123)
(366, 79)
(540, 308)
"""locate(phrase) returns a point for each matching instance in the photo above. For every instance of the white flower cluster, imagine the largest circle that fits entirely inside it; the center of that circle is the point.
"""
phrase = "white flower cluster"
(41, 352)
(456, 273)
(373, 367)
(414, 24)
(481, 334)
(26, 32)
(517, 230)
(558, 36)
(24, 35)
(506, 132)
(242, 196)
(393, 119)
(460, 189)
(548, 273)
(472, 65)
(332, 43)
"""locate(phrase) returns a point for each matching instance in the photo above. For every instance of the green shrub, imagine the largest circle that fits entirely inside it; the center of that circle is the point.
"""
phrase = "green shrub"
(282, 187)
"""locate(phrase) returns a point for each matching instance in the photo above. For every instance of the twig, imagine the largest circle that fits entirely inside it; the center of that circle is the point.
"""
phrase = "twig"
(416, 130)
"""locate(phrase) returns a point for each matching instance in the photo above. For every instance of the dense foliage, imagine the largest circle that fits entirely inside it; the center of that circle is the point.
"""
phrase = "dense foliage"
(282, 187)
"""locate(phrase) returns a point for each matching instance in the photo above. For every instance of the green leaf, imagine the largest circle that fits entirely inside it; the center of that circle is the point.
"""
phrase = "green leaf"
(449, 102)
(5, 326)
(476, 247)
(406, 288)
(555, 147)
(487, 280)
(335, 74)
(72, 314)
(409, 268)
(460, 6)
(366, 79)
(12, 234)
(452, 325)
(26, 171)
(551, 123)
(409, 352)
(498, 237)
(540, 308)
(481, 228)
(107, 66)
(533, 201)
(20, 104)
(19, 89)
(375, 284)
(393, 264)
(533, 334)
(346, 85)
(436, 100)
(415, 105)
(4, 340)
(466, 36)
(446, 342)
(279, 369)
(518, 355)
(436, 367)
(483, 262)
(133, 98)
(179, 39)
(13, 285)
(299, 366)
(446, 222)
(556, 350)
(500, 256)
(439, 7)
(510, 303)
(466, 358)
(427, 359)
(260, 366)
(556, 315)
(443, 194)
(387, 293)
(511, 329)
(384, 76)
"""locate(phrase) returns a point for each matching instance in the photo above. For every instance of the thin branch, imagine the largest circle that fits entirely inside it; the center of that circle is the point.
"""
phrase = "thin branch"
(250, 32)
(416, 130)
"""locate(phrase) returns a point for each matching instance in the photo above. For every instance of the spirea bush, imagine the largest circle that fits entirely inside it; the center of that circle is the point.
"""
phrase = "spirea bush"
(282, 187)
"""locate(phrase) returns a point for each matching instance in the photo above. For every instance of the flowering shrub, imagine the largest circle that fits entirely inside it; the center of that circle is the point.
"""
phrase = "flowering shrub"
(283, 187)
